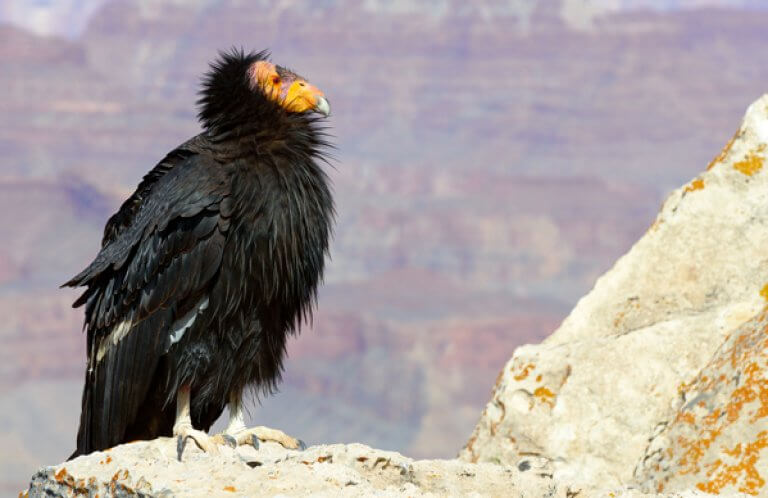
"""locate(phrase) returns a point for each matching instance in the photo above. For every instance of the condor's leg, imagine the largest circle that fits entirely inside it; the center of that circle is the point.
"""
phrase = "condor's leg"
(237, 431)
(183, 429)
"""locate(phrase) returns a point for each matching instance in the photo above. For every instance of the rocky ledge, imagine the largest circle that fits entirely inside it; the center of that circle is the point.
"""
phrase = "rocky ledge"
(150, 469)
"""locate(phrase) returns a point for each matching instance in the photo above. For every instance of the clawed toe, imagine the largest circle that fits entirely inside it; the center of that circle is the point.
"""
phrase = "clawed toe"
(225, 439)
(201, 439)
(181, 442)
(254, 436)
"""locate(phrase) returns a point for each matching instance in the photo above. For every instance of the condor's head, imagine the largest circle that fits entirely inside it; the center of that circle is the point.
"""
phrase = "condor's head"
(248, 92)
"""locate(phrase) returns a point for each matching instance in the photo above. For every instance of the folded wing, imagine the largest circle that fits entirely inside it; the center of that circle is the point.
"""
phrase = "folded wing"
(146, 287)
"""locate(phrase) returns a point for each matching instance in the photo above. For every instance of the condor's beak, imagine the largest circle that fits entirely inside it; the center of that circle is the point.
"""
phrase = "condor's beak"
(322, 106)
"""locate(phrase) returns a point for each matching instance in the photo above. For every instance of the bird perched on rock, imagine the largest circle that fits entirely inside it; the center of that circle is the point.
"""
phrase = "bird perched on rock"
(209, 266)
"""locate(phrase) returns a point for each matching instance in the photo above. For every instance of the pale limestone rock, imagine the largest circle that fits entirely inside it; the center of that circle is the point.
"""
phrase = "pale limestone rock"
(591, 396)
(149, 468)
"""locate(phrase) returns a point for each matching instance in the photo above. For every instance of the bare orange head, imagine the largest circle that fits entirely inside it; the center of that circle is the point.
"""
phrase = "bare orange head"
(292, 92)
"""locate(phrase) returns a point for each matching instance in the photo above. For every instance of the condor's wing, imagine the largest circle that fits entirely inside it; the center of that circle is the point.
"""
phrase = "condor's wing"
(124, 216)
(142, 289)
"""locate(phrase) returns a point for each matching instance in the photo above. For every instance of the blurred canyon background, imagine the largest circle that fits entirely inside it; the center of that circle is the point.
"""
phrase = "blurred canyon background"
(494, 158)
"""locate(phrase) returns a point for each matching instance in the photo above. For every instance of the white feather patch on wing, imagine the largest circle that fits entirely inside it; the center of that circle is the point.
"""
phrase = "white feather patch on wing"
(184, 323)
(117, 333)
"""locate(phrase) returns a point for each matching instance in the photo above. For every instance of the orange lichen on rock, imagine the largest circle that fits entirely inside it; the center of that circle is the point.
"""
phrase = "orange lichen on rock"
(725, 475)
(702, 432)
(724, 152)
(750, 164)
(764, 292)
(545, 396)
(230, 489)
(60, 474)
(524, 372)
(686, 417)
(697, 184)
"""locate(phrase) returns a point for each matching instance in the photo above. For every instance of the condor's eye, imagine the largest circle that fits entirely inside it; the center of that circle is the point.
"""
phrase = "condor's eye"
(275, 80)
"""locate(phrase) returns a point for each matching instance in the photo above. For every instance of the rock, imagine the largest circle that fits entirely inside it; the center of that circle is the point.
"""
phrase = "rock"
(149, 468)
(592, 395)
(717, 441)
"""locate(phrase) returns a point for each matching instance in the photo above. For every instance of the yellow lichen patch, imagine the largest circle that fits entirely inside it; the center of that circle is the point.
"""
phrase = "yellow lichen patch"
(686, 418)
(525, 371)
(764, 292)
(230, 489)
(719, 158)
(735, 452)
(703, 454)
(725, 475)
(749, 165)
(545, 396)
(697, 184)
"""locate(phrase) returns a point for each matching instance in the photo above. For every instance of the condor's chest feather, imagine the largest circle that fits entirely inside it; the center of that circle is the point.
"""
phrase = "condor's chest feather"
(281, 225)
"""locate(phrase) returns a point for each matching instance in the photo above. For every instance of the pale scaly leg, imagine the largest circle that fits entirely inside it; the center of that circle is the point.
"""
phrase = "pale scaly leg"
(237, 431)
(183, 430)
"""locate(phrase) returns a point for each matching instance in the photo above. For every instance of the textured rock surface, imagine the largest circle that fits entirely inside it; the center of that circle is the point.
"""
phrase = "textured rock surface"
(591, 396)
(335, 470)
(717, 440)
(151, 469)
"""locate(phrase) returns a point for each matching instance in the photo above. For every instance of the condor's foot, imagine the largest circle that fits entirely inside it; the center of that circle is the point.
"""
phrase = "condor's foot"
(185, 432)
(253, 435)
(183, 429)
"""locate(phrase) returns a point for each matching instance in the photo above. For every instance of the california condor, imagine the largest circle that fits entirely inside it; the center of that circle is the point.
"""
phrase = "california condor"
(210, 265)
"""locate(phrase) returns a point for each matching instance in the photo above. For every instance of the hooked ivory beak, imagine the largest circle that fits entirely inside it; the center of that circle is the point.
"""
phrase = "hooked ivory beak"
(322, 106)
